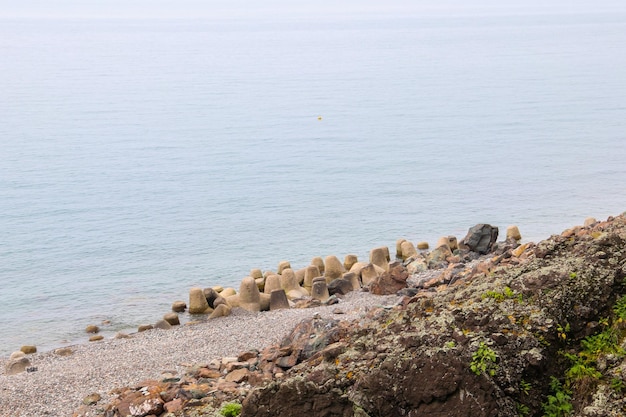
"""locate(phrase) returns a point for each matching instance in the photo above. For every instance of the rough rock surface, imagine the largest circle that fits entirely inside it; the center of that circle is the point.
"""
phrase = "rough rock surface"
(432, 355)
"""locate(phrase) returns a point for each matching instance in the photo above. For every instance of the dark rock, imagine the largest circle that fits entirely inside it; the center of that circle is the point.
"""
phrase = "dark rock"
(480, 238)
(211, 295)
(340, 286)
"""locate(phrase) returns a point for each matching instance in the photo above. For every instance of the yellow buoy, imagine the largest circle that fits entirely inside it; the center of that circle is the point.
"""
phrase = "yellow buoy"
(319, 117)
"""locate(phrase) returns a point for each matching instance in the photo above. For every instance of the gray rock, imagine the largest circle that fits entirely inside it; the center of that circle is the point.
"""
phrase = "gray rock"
(480, 238)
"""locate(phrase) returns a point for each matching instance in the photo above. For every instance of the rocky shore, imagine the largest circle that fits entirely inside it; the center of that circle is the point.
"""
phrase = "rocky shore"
(471, 328)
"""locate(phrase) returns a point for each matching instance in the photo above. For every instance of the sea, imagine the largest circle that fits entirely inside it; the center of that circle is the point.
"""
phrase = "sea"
(142, 156)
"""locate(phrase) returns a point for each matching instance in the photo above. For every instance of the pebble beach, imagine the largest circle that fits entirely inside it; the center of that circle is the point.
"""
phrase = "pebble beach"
(60, 383)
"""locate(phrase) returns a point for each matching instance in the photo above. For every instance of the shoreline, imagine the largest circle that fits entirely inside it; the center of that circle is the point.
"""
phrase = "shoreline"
(60, 383)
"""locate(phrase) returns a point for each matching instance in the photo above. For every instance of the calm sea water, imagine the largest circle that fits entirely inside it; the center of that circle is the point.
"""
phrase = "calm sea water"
(140, 158)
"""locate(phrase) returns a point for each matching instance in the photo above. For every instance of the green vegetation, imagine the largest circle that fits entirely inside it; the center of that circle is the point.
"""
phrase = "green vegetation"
(231, 410)
(617, 385)
(522, 409)
(620, 309)
(524, 387)
(559, 404)
(484, 360)
(499, 296)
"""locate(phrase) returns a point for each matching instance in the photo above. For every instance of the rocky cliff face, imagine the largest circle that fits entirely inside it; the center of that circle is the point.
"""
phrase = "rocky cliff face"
(529, 331)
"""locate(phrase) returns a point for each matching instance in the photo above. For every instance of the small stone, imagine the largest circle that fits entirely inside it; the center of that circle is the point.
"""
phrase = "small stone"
(122, 335)
(96, 338)
(92, 328)
(208, 373)
(338, 311)
(92, 399)
(144, 327)
(63, 351)
(179, 306)
(238, 375)
(174, 406)
(422, 245)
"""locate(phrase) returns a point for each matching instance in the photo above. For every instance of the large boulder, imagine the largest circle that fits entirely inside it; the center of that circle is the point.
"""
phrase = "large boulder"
(480, 238)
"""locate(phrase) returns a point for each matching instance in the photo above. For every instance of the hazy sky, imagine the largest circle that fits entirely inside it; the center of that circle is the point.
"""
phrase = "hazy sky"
(295, 8)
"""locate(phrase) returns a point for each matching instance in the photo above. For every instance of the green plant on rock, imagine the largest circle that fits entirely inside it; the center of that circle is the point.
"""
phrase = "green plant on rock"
(231, 410)
(604, 342)
(559, 404)
(499, 296)
(563, 331)
(581, 369)
(484, 360)
(524, 387)
(522, 410)
(619, 308)
(617, 385)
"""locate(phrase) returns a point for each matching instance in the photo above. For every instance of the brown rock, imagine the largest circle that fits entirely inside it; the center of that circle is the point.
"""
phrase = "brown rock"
(174, 406)
(208, 373)
(28, 349)
(172, 319)
(179, 306)
(238, 375)
(422, 245)
(96, 338)
(144, 327)
(390, 282)
(92, 328)
(63, 351)
(138, 404)
(92, 399)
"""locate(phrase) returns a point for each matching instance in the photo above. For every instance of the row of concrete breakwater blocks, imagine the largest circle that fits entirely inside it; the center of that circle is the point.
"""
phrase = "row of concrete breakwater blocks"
(319, 283)
(325, 279)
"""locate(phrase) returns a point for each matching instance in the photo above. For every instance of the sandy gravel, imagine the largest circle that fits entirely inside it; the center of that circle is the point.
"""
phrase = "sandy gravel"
(60, 383)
